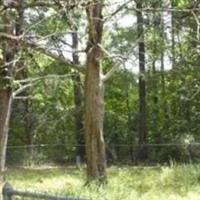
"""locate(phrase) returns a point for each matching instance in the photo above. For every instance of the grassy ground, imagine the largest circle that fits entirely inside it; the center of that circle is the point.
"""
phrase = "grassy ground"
(127, 183)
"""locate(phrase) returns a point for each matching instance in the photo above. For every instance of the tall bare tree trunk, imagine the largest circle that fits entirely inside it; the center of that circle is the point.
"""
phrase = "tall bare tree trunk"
(29, 124)
(5, 109)
(9, 49)
(142, 135)
(6, 75)
(173, 33)
(162, 70)
(78, 98)
(94, 97)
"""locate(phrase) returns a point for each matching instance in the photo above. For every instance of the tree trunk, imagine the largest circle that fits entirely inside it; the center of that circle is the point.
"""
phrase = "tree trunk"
(5, 109)
(9, 49)
(80, 144)
(142, 86)
(5, 94)
(173, 33)
(94, 97)
(29, 124)
(130, 132)
(80, 148)
(162, 69)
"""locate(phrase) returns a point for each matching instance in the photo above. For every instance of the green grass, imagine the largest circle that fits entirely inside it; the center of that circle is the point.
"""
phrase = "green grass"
(125, 183)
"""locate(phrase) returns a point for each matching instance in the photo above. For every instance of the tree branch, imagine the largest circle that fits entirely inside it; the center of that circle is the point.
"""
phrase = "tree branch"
(118, 61)
(43, 50)
(54, 55)
(21, 89)
(51, 76)
(14, 4)
(23, 97)
(118, 10)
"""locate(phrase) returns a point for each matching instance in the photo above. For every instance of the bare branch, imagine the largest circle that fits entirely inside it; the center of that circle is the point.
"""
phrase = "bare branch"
(54, 55)
(23, 97)
(43, 50)
(13, 62)
(14, 4)
(11, 37)
(117, 59)
(52, 76)
(118, 10)
(118, 62)
(21, 89)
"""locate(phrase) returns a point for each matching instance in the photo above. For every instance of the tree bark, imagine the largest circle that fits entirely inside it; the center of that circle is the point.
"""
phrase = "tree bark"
(6, 74)
(142, 134)
(9, 50)
(78, 98)
(5, 109)
(173, 34)
(94, 97)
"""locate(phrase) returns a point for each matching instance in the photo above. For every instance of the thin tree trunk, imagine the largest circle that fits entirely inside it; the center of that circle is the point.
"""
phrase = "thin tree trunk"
(9, 49)
(173, 34)
(5, 109)
(162, 69)
(130, 132)
(6, 75)
(142, 135)
(163, 89)
(29, 125)
(80, 148)
(94, 97)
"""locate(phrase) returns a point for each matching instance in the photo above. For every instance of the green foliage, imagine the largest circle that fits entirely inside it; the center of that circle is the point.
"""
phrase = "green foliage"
(173, 100)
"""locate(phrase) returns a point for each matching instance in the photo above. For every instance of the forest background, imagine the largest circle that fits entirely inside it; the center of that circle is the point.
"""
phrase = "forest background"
(57, 56)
